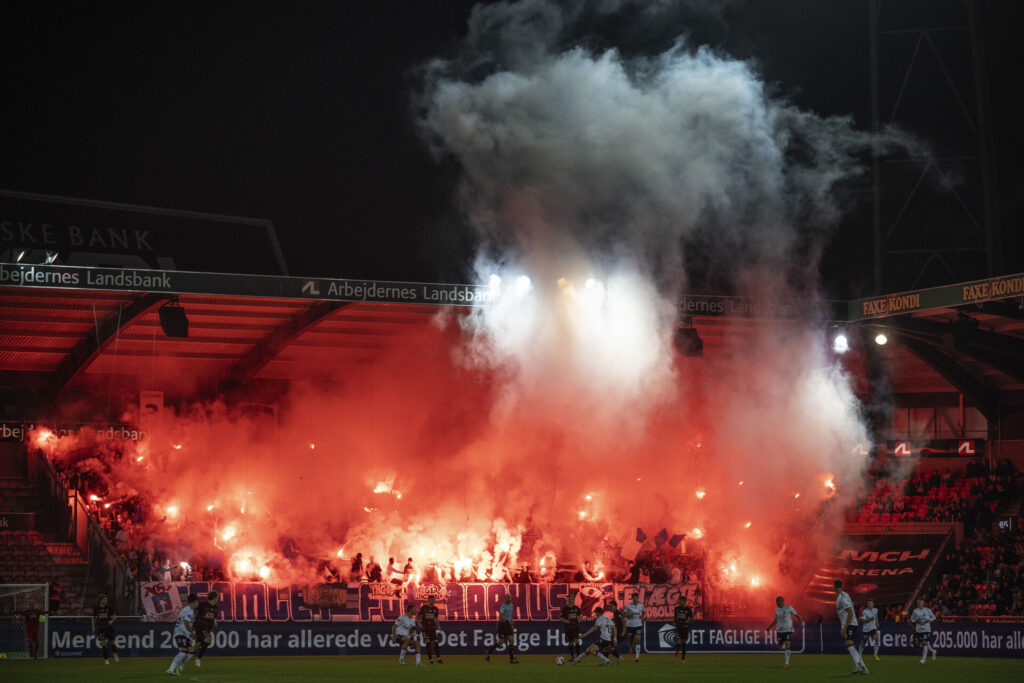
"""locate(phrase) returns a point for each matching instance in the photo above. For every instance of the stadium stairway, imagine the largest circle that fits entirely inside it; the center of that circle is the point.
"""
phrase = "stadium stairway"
(36, 555)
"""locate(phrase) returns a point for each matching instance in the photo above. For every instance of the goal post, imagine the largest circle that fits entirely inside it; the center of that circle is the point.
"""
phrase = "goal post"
(15, 598)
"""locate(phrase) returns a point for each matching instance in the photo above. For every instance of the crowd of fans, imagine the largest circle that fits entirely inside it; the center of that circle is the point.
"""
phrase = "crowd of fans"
(972, 496)
(659, 566)
(983, 576)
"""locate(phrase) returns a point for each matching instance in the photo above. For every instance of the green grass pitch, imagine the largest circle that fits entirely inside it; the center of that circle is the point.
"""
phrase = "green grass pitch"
(532, 669)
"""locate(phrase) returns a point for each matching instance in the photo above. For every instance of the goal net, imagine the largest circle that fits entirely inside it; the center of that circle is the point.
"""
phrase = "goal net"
(14, 600)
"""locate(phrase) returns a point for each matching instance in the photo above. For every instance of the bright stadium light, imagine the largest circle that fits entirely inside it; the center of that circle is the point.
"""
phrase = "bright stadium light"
(522, 285)
(881, 339)
(840, 343)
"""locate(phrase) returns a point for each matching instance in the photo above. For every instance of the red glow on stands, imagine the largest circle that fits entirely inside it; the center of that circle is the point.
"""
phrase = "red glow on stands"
(481, 480)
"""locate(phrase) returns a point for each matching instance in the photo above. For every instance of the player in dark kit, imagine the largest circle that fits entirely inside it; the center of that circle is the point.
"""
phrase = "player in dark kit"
(619, 620)
(570, 616)
(31, 618)
(103, 625)
(206, 619)
(681, 620)
(428, 621)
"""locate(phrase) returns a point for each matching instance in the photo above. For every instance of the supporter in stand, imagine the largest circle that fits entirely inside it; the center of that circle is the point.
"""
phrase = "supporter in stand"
(356, 570)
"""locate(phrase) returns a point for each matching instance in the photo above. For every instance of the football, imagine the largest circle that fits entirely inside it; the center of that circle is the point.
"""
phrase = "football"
(559, 660)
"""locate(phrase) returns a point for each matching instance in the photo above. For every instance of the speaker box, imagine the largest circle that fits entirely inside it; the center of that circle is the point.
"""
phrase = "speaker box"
(688, 342)
(173, 321)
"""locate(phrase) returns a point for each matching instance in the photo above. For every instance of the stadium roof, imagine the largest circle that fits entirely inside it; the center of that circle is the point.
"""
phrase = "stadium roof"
(64, 325)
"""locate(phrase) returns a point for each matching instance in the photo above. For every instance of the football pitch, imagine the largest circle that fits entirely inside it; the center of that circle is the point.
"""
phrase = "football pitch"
(531, 669)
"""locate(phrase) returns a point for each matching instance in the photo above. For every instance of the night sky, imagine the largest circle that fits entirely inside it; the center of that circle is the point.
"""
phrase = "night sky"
(302, 114)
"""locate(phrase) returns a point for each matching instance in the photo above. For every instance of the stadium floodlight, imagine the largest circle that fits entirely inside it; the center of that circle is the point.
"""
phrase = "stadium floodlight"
(881, 339)
(840, 343)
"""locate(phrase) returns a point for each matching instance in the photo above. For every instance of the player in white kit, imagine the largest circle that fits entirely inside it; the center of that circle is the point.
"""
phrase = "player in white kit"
(606, 641)
(784, 615)
(869, 628)
(403, 633)
(184, 635)
(634, 613)
(922, 619)
(848, 626)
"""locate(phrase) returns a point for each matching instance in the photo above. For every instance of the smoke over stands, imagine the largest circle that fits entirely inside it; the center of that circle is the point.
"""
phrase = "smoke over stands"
(556, 422)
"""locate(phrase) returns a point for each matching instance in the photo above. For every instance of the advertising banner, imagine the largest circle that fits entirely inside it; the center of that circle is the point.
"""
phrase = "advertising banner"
(17, 521)
(230, 284)
(370, 602)
(936, 448)
(1001, 287)
(70, 637)
(885, 567)
(88, 232)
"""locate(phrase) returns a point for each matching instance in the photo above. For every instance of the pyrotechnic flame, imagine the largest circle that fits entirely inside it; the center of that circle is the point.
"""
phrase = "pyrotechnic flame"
(172, 510)
(697, 532)
(589, 497)
(796, 495)
(185, 565)
(228, 533)
(341, 552)
(264, 572)
(741, 483)
(140, 458)
(209, 507)
(583, 514)
(700, 494)
(312, 446)
(43, 437)
(747, 525)
(106, 506)
(755, 582)
(177, 446)
(93, 497)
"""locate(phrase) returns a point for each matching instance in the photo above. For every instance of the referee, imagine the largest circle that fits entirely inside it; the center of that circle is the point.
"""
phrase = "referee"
(506, 633)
